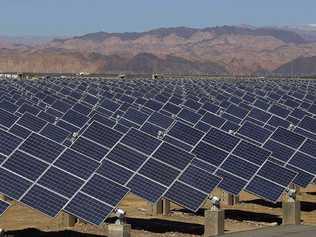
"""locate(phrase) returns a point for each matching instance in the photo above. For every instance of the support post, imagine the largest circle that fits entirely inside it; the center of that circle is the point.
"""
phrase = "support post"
(119, 230)
(214, 222)
(291, 209)
(291, 212)
(166, 207)
(157, 208)
(66, 220)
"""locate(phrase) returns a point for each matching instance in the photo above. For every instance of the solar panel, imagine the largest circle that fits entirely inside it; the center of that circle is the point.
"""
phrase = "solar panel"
(20, 131)
(75, 118)
(8, 142)
(55, 133)
(185, 133)
(12, 185)
(7, 119)
(44, 200)
(254, 132)
(189, 116)
(230, 183)
(135, 116)
(25, 165)
(160, 120)
(146, 188)
(252, 153)
(304, 161)
(88, 209)
(278, 150)
(209, 153)
(105, 190)
(89, 148)
(287, 137)
(60, 182)
(213, 120)
(101, 134)
(41, 147)
(140, 141)
(159, 172)
(308, 124)
(265, 189)
(221, 139)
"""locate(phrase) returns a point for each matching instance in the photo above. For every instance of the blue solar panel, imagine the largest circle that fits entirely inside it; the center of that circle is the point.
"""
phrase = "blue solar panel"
(8, 106)
(55, 133)
(304, 162)
(88, 209)
(42, 148)
(20, 131)
(280, 111)
(8, 142)
(189, 116)
(186, 133)
(135, 116)
(239, 167)
(303, 178)
(25, 165)
(67, 126)
(186, 196)
(171, 108)
(160, 120)
(81, 108)
(31, 122)
(61, 182)
(173, 156)
(28, 108)
(278, 150)
(89, 148)
(126, 157)
(278, 122)
(146, 188)
(105, 190)
(231, 183)
(159, 172)
(287, 137)
(203, 165)
(75, 118)
(43, 200)
(141, 141)
(276, 173)
(7, 119)
(200, 179)
(12, 185)
(237, 111)
(309, 147)
(61, 106)
(103, 135)
(266, 189)
(154, 105)
(254, 132)
(251, 153)
(308, 124)
(221, 139)
(213, 120)
(209, 154)
(114, 172)
(109, 105)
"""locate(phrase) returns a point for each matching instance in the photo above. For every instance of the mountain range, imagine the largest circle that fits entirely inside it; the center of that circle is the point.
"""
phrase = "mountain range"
(221, 50)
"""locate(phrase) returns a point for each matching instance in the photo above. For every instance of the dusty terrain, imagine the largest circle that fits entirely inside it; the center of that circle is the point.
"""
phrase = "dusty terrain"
(251, 213)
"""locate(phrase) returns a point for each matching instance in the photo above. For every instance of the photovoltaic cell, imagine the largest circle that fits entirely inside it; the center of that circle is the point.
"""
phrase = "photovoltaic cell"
(209, 153)
(25, 165)
(105, 190)
(309, 147)
(160, 120)
(278, 150)
(55, 133)
(186, 196)
(304, 162)
(75, 118)
(7, 119)
(254, 132)
(103, 135)
(60, 182)
(88, 209)
(12, 185)
(31, 122)
(114, 172)
(146, 188)
(231, 183)
(287, 137)
(308, 124)
(159, 172)
(186, 133)
(8, 142)
(141, 141)
(266, 189)
(42, 148)
(221, 139)
(43, 200)
(89, 148)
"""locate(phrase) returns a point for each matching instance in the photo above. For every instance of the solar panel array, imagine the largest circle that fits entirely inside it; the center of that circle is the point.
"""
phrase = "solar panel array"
(81, 145)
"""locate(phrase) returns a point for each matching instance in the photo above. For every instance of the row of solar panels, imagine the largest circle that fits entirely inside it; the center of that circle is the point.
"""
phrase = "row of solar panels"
(258, 179)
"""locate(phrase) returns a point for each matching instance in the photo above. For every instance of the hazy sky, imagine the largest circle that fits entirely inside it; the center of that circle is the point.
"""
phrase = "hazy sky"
(75, 17)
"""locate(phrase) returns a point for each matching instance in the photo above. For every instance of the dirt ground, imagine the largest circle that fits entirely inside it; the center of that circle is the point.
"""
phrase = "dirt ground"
(251, 213)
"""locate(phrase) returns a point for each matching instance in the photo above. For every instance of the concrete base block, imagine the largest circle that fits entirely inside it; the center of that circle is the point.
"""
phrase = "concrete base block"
(115, 230)
(165, 207)
(66, 220)
(291, 212)
(157, 208)
(214, 222)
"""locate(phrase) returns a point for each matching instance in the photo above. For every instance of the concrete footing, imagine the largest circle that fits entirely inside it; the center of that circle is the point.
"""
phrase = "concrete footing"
(165, 207)
(66, 220)
(214, 222)
(115, 230)
(291, 212)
